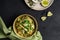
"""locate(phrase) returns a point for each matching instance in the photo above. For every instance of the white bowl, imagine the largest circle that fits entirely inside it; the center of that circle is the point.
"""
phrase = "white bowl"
(38, 6)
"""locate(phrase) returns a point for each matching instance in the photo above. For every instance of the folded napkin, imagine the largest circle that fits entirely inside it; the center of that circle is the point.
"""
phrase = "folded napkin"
(8, 32)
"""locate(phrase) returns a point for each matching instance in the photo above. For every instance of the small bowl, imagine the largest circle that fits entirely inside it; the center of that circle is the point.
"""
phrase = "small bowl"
(35, 22)
(39, 6)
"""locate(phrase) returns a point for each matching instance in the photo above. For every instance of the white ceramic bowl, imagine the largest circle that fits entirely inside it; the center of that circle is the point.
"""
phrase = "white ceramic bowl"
(38, 6)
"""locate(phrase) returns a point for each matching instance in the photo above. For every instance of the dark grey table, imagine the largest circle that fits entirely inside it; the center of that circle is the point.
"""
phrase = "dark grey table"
(50, 29)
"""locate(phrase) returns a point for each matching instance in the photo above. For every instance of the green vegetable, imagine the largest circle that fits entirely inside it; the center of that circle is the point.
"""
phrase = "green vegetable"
(31, 28)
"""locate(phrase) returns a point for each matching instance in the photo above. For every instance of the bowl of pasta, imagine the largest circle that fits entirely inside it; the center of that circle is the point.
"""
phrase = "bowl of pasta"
(25, 25)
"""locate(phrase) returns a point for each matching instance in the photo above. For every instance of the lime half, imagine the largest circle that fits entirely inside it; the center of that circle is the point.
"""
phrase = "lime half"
(44, 3)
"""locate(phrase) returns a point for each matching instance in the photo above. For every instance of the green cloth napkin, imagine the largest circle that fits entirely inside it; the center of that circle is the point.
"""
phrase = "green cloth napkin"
(8, 32)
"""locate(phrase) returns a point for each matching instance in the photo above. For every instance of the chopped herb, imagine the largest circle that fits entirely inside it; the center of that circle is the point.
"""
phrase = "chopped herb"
(31, 28)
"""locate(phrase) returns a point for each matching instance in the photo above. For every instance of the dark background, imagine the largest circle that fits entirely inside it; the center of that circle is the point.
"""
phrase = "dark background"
(50, 29)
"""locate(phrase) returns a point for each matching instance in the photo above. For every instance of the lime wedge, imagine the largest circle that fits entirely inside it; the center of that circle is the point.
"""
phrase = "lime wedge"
(43, 18)
(49, 13)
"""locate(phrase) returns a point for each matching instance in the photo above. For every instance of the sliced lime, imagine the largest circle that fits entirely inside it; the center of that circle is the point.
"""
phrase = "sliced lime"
(43, 18)
(49, 13)
(45, 3)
